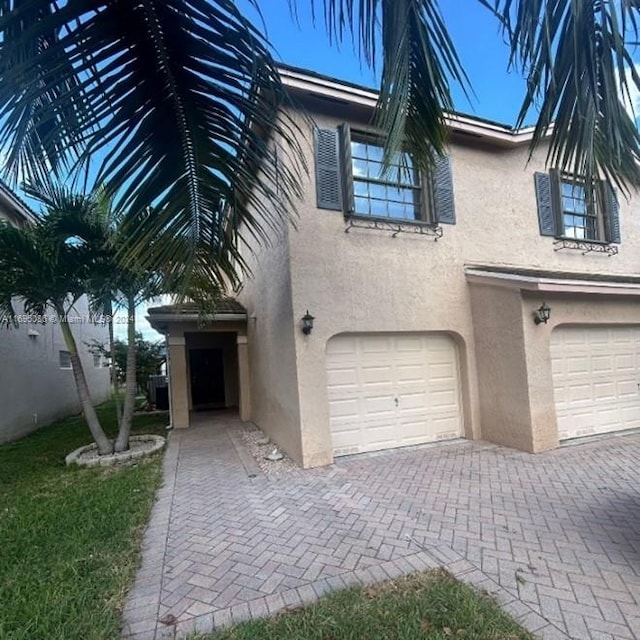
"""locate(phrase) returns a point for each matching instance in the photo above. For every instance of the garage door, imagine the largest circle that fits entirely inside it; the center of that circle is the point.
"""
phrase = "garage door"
(596, 372)
(392, 390)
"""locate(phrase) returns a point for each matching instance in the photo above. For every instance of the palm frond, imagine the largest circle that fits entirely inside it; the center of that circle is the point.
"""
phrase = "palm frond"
(38, 269)
(419, 63)
(175, 94)
(40, 129)
(579, 68)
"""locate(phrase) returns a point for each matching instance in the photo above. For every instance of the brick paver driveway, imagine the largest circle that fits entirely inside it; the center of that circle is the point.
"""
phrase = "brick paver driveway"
(555, 536)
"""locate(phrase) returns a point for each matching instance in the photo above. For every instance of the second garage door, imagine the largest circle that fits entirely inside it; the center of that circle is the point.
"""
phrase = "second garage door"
(392, 390)
(596, 373)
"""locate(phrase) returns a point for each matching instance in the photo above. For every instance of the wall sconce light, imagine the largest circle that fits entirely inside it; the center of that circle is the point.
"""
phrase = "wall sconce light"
(542, 314)
(307, 323)
(32, 333)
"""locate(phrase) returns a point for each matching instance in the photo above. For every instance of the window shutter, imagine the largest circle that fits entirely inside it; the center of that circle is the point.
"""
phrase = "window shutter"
(611, 212)
(442, 185)
(544, 197)
(348, 202)
(328, 187)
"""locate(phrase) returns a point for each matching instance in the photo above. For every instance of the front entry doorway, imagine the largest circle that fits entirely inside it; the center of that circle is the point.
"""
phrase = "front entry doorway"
(207, 378)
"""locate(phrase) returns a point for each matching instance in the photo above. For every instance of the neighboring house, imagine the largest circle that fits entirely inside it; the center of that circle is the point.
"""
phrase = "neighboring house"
(425, 292)
(36, 380)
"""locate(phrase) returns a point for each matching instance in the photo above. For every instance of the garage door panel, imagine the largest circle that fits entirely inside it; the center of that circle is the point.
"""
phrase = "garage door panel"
(595, 377)
(373, 405)
(413, 344)
(346, 345)
(578, 365)
(345, 408)
(627, 389)
(402, 389)
(442, 371)
(602, 391)
(342, 377)
(602, 363)
(444, 400)
(625, 361)
(580, 392)
(375, 375)
(410, 373)
(409, 401)
(371, 345)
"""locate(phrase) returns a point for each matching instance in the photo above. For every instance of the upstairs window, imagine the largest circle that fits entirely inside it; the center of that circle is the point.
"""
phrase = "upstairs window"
(566, 212)
(349, 178)
(579, 216)
(395, 195)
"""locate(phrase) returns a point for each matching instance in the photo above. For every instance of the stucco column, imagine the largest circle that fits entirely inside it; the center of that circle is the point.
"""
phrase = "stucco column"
(243, 379)
(537, 343)
(178, 378)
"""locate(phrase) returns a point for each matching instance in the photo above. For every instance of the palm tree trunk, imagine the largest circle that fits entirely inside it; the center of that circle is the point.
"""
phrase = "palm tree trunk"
(105, 446)
(131, 386)
(112, 368)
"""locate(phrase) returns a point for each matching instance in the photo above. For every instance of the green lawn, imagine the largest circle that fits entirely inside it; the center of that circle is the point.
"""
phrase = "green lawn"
(423, 606)
(69, 537)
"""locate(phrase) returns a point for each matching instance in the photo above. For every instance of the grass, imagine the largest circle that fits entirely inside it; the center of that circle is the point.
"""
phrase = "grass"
(422, 606)
(69, 537)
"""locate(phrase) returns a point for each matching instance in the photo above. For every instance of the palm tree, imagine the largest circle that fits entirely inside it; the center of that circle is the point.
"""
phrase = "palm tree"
(48, 275)
(181, 97)
(92, 220)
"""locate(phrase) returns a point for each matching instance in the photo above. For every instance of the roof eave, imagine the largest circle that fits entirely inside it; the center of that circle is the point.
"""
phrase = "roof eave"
(16, 204)
(542, 284)
(324, 87)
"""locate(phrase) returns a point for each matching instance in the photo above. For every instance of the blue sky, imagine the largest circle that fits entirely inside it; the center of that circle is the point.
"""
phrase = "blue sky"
(484, 55)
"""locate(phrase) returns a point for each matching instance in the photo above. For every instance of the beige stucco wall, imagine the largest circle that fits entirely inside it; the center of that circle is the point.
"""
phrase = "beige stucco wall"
(271, 350)
(501, 366)
(369, 281)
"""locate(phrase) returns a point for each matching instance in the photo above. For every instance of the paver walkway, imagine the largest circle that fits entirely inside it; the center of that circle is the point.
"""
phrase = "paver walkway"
(556, 536)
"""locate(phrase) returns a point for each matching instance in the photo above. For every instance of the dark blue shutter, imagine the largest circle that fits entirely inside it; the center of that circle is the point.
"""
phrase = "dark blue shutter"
(544, 197)
(348, 201)
(442, 182)
(327, 156)
(611, 213)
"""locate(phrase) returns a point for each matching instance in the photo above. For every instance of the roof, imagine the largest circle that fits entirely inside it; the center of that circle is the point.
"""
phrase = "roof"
(560, 275)
(550, 281)
(308, 82)
(362, 87)
(224, 305)
(16, 203)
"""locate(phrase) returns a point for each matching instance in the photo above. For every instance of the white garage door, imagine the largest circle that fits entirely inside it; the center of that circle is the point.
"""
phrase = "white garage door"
(596, 372)
(392, 390)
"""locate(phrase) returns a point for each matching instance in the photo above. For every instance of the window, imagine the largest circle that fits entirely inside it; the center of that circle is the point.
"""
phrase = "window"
(395, 195)
(349, 179)
(98, 360)
(568, 213)
(579, 216)
(65, 360)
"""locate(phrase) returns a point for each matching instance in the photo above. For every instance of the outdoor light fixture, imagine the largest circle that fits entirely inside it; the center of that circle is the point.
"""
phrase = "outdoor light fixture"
(307, 323)
(542, 314)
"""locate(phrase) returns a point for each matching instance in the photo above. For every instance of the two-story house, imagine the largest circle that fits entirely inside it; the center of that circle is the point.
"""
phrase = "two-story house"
(489, 300)
(36, 380)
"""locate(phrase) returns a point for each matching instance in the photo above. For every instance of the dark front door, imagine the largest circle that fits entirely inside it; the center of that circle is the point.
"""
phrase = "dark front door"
(207, 378)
